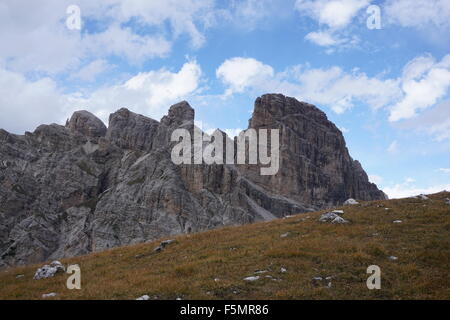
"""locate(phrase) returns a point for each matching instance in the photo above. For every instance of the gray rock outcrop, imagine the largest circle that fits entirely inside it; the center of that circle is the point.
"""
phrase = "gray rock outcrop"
(74, 189)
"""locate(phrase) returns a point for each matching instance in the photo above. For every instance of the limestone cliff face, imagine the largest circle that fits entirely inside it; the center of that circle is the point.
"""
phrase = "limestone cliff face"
(74, 189)
(315, 165)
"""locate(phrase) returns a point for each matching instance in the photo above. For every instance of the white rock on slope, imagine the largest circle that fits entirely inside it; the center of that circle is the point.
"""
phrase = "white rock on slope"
(350, 201)
(251, 278)
(332, 217)
(49, 271)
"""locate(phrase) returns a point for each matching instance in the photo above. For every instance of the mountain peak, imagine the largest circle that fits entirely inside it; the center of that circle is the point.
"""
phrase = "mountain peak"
(87, 124)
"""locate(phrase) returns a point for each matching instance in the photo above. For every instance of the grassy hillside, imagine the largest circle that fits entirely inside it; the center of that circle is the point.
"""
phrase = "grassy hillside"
(212, 265)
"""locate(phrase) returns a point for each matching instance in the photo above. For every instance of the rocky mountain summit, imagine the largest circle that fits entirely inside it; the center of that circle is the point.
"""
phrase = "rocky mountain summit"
(83, 187)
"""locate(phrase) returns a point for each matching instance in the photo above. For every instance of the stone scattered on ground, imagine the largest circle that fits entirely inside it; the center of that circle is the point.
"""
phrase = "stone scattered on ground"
(253, 278)
(284, 235)
(20, 276)
(422, 197)
(261, 271)
(49, 295)
(322, 282)
(283, 270)
(393, 258)
(350, 201)
(338, 212)
(332, 217)
(397, 221)
(447, 201)
(163, 245)
(48, 271)
(144, 297)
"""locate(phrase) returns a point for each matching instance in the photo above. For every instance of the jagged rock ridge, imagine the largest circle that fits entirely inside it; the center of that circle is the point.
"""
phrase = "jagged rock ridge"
(69, 190)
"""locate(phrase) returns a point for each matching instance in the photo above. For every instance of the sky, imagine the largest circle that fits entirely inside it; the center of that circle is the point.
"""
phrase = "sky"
(380, 70)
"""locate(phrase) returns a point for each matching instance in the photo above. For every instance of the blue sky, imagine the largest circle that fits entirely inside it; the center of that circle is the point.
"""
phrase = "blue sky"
(388, 89)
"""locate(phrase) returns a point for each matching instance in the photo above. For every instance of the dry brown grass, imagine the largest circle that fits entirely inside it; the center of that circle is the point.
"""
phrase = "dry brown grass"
(188, 267)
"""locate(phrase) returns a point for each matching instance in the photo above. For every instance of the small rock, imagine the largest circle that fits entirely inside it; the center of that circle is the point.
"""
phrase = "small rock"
(144, 297)
(332, 217)
(393, 258)
(283, 270)
(49, 295)
(261, 271)
(166, 242)
(163, 245)
(179, 298)
(387, 208)
(338, 212)
(447, 201)
(216, 279)
(397, 221)
(350, 201)
(328, 217)
(423, 197)
(20, 276)
(284, 235)
(48, 271)
(251, 278)
(339, 220)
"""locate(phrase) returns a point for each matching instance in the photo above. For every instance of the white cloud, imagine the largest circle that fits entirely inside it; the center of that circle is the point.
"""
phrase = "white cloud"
(123, 42)
(334, 14)
(418, 13)
(375, 178)
(34, 36)
(150, 93)
(434, 121)
(393, 147)
(445, 170)
(240, 73)
(331, 87)
(26, 104)
(333, 17)
(322, 38)
(92, 70)
(409, 189)
(183, 15)
(424, 82)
